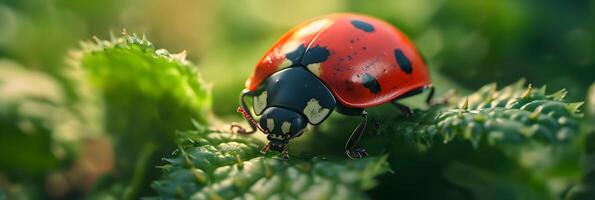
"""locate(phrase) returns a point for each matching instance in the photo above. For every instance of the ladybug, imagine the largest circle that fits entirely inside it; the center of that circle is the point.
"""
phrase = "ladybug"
(341, 62)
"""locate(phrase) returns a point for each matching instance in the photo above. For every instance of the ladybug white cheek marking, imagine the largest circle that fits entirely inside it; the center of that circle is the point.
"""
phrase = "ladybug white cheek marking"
(314, 112)
(286, 63)
(260, 102)
(270, 124)
(285, 127)
(279, 137)
(314, 68)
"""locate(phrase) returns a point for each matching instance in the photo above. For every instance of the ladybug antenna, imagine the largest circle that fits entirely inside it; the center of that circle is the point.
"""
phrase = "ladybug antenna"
(251, 120)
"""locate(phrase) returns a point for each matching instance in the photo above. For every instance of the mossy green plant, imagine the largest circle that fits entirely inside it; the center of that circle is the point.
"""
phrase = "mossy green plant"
(211, 164)
(585, 189)
(38, 124)
(511, 142)
(513, 114)
(218, 165)
(148, 94)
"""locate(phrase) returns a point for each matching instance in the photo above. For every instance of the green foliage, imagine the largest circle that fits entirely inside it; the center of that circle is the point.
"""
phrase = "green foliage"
(512, 143)
(514, 114)
(141, 84)
(461, 148)
(38, 125)
(502, 145)
(586, 188)
(148, 94)
(10, 191)
(216, 165)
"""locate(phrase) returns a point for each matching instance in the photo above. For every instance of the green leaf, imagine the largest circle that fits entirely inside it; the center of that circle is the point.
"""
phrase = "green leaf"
(586, 189)
(143, 86)
(216, 165)
(22, 190)
(489, 185)
(148, 94)
(38, 126)
(132, 74)
(514, 114)
(492, 144)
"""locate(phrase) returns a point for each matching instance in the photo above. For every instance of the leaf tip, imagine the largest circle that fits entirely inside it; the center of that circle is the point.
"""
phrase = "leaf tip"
(573, 107)
(527, 93)
(465, 106)
(239, 162)
(199, 176)
(535, 115)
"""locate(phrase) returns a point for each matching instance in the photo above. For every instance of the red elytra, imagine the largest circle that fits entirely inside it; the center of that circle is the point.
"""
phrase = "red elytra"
(366, 61)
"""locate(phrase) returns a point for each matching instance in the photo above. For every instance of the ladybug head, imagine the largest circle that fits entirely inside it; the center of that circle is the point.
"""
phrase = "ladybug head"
(282, 125)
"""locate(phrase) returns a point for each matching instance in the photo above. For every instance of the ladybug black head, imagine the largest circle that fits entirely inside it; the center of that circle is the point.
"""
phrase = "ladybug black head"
(287, 101)
(282, 125)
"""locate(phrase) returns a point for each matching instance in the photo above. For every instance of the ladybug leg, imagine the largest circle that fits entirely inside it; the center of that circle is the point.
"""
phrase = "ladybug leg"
(350, 149)
(285, 154)
(430, 96)
(403, 108)
(236, 128)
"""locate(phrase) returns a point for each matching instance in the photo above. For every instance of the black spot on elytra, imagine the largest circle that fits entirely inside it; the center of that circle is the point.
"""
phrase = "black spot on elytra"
(296, 54)
(364, 26)
(371, 83)
(403, 61)
(315, 55)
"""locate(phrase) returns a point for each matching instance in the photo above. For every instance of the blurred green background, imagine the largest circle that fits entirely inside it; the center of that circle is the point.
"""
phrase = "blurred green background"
(468, 43)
